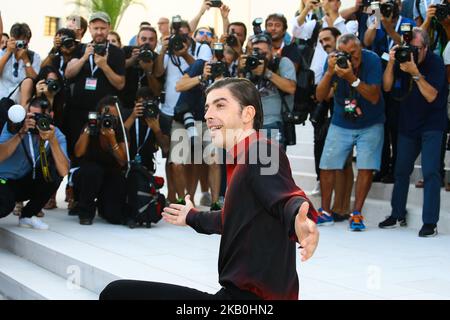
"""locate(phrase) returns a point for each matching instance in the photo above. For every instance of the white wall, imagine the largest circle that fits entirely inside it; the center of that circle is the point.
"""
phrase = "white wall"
(34, 12)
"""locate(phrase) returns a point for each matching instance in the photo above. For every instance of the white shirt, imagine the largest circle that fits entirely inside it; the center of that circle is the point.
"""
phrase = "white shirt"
(423, 5)
(7, 80)
(174, 74)
(446, 54)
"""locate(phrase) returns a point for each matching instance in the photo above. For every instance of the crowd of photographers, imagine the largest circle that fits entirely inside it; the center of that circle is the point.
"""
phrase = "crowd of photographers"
(372, 84)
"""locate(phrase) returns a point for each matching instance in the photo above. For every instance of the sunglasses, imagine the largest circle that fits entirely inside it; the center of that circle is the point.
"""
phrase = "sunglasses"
(202, 33)
(16, 69)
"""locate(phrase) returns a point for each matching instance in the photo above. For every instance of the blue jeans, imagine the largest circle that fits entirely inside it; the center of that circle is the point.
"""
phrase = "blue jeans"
(408, 149)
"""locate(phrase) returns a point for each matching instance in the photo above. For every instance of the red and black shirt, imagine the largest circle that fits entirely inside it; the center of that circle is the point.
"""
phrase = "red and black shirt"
(258, 245)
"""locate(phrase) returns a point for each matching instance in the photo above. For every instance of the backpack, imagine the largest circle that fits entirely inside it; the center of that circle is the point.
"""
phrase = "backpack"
(144, 201)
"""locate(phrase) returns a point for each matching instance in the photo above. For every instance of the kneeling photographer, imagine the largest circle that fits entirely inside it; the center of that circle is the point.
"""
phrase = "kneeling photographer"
(102, 152)
(33, 160)
(416, 77)
(276, 81)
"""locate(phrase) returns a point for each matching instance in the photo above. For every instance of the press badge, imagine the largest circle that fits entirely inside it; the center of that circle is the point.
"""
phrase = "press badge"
(386, 57)
(91, 84)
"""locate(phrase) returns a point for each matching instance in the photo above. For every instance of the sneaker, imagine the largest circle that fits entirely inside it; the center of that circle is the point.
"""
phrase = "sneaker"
(205, 201)
(388, 179)
(447, 187)
(51, 204)
(428, 231)
(419, 184)
(339, 217)
(216, 206)
(33, 223)
(86, 221)
(316, 191)
(391, 223)
(357, 222)
(18, 209)
(324, 219)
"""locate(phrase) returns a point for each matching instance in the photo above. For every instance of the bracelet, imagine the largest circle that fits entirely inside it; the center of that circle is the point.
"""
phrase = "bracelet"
(116, 147)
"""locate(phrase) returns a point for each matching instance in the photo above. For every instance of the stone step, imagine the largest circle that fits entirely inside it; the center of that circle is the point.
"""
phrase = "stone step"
(103, 255)
(23, 280)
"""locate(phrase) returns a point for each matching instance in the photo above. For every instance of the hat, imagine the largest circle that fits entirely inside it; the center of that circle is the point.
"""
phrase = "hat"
(100, 16)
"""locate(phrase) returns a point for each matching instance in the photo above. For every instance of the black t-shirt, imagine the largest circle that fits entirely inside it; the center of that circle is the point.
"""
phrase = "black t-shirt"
(292, 52)
(133, 76)
(86, 99)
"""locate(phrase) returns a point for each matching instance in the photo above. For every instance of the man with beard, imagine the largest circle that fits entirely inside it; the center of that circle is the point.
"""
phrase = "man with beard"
(99, 71)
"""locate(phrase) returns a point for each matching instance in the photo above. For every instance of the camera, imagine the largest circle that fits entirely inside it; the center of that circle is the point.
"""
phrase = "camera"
(151, 108)
(93, 123)
(232, 40)
(218, 69)
(257, 26)
(184, 115)
(407, 32)
(216, 3)
(442, 11)
(254, 60)
(43, 122)
(319, 113)
(21, 44)
(100, 49)
(390, 9)
(403, 53)
(108, 121)
(218, 49)
(67, 42)
(342, 59)
(146, 54)
(53, 86)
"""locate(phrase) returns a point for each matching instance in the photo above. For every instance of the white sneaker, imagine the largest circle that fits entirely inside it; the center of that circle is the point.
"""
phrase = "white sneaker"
(206, 200)
(316, 190)
(33, 223)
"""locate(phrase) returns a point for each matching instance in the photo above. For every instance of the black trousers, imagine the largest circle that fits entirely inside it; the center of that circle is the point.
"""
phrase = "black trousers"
(37, 191)
(389, 155)
(320, 136)
(93, 182)
(140, 290)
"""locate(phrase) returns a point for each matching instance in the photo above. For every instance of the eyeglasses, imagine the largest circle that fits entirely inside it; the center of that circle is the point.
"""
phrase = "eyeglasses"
(16, 69)
(202, 33)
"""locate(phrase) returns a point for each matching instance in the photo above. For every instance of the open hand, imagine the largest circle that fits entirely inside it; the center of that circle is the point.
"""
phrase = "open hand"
(307, 233)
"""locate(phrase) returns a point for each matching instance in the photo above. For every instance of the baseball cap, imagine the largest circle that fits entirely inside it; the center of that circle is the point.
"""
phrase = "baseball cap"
(100, 16)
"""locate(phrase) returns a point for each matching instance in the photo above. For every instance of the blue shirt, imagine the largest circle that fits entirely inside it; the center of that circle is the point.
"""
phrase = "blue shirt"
(382, 42)
(18, 166)
(371, 74)
(416, 115)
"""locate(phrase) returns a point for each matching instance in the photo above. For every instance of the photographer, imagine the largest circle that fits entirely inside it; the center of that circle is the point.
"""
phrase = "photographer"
(139, 67)
(17, 58)
(66, 47)
(78, 24)
(4, 41)
(176, 56)
(420, 81)
(276, 81)
(206, 6)
(437, 23)
(276, 26)
(358, 120)
(144, 129)
(33, 161)
(99, 71)
(102, 151)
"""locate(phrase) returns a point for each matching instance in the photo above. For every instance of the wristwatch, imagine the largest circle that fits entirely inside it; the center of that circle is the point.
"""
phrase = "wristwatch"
(417, 78)
(27, 65)
(356, 83)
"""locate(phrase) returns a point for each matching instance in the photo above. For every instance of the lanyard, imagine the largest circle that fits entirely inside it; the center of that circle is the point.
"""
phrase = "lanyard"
(391, 43)
(33, 157)
(139, 148)
(61, 65)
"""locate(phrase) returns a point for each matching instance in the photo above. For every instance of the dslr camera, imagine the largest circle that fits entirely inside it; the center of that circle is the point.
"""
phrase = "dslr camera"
(257, 26)
(43, 123)
(151, 108)
(21, 44)
(218, 68)
(254, 60)
(390, 9)
(100, 49)
(67, 42)
(146, 54)
(184, 115)
(216, 3)
(342, 59)
(403, 53)
(177, 40)
(53, 86)
(442, 11)
(232, 40)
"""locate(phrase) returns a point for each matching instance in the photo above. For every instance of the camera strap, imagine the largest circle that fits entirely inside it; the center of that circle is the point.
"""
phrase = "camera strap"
(92, 63)
(32, 159)
(44, 162)
(139, 147)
